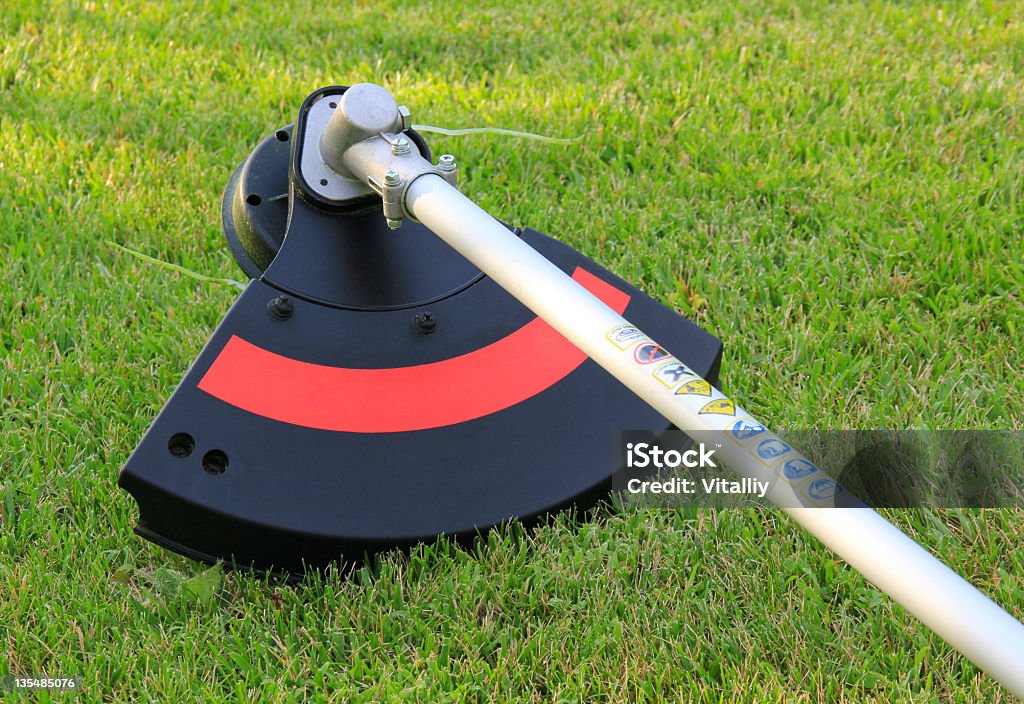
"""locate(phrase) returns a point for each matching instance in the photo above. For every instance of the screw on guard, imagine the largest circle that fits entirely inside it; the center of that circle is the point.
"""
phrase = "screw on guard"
(350, 401)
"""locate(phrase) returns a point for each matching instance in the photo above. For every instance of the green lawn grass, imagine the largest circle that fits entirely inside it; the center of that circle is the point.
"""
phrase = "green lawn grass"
(835, 191)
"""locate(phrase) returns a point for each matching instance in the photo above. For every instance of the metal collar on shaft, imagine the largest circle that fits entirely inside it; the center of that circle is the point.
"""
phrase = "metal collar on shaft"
(360, 149)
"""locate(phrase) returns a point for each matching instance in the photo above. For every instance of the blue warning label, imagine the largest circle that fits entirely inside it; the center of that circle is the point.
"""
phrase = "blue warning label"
(771, 449)
(745, 430)
(797, 469)
(821, 490)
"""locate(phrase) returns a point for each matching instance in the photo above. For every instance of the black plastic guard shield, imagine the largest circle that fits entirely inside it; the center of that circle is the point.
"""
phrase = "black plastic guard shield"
(217, 480)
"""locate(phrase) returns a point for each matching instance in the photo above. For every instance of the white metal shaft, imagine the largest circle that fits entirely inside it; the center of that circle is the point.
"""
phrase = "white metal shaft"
(949, 605)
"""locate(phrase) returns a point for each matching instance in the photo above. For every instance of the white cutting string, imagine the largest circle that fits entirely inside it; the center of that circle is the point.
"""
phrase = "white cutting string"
(176, 267)
(497, 130)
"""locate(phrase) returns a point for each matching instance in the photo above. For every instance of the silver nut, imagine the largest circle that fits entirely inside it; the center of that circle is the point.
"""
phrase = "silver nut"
(406, 117)
(400, 146)
(394, 224)
(391, 178)
(446, 162)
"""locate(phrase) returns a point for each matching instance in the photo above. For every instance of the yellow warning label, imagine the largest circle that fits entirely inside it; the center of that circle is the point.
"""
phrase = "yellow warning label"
(671, 373)
(622, 336)
(721, 406)
(695, 387)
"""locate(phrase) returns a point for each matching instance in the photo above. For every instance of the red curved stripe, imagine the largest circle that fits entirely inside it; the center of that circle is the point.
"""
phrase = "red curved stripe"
(484, 381)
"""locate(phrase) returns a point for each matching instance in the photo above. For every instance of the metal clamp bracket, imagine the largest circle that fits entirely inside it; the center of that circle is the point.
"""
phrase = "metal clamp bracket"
(353, 145)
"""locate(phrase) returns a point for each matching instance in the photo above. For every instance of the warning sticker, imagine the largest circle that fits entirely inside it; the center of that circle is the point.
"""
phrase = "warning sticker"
(745, 430)
(622, 336)
(695, 387)
(671, 373)
(769, 451)
(649, 353)
(721, 406)
(822, 491)
(797, 469)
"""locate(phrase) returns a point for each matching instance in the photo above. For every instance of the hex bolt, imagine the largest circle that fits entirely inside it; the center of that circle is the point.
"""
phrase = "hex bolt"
(400, 146)
(281, 308)
(446, 162)
(392, 179)
(425, 323)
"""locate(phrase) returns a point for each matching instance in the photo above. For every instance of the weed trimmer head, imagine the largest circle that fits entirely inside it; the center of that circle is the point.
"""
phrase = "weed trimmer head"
(371, 389)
